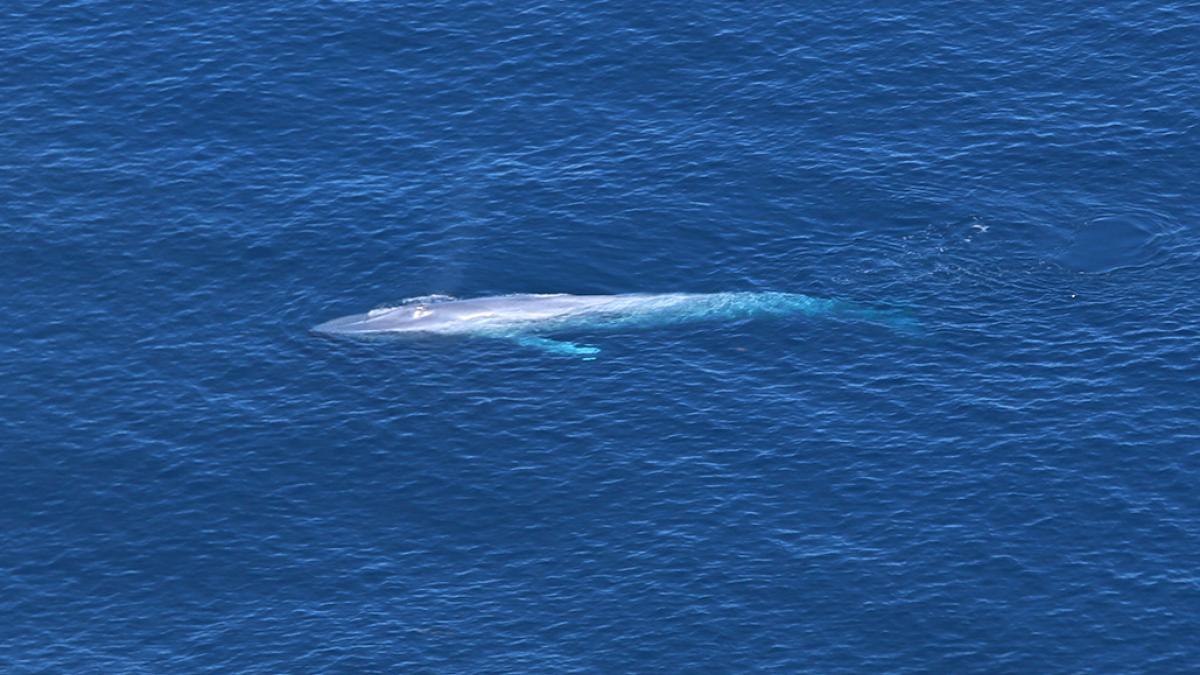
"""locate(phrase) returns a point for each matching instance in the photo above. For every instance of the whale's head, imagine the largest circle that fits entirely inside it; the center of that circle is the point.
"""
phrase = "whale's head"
(413, 318)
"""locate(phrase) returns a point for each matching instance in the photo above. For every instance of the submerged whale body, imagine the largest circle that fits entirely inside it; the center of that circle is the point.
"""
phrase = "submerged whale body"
(528, 318)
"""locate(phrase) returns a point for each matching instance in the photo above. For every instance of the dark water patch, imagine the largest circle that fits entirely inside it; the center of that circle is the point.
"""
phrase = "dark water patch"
(1110, 243)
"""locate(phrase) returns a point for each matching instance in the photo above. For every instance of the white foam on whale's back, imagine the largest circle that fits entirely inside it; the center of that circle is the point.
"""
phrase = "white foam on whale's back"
(415, 300)
(427, 299)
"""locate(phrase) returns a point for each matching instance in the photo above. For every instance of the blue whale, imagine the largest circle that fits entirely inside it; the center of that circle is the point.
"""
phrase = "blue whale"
(528, 318)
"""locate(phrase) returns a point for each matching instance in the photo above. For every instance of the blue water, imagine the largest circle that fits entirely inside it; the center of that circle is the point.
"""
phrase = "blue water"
(193, 482)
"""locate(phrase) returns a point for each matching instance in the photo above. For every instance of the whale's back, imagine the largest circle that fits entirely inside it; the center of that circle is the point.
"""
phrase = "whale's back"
(509, 315)
(475, 315)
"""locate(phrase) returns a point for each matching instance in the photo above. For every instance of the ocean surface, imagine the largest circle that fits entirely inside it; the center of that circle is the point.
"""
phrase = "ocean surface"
(195, 482)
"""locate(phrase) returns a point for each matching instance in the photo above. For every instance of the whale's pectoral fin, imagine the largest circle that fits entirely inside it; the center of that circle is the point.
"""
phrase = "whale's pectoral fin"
(558, 346)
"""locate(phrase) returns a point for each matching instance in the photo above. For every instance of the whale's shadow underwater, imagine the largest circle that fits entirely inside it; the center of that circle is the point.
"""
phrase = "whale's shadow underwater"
(527, 319)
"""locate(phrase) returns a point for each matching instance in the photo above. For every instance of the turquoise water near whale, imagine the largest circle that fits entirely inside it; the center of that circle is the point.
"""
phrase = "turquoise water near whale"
(194, 482)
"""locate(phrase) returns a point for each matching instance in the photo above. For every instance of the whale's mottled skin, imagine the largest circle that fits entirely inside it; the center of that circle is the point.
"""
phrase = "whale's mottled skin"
(528, 318)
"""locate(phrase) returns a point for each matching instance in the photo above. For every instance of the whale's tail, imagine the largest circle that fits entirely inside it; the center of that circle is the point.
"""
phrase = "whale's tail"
(895, 319)
(745, 304)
